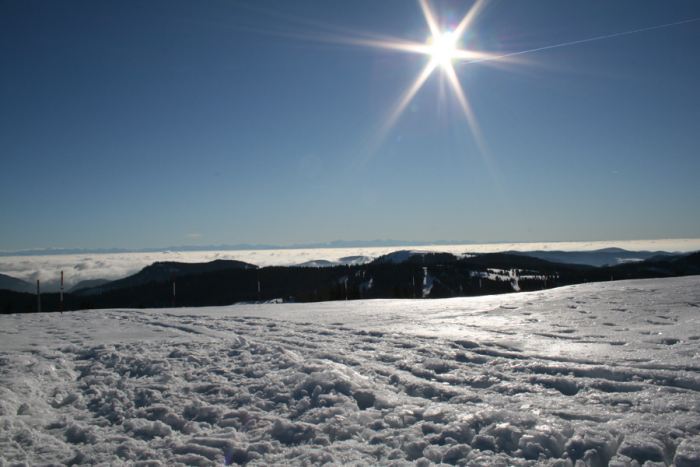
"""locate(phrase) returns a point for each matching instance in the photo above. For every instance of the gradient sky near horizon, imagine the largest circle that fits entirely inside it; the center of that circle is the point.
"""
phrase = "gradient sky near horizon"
(139, 124)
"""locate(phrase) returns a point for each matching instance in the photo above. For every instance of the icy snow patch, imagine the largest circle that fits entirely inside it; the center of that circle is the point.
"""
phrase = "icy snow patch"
(525, 379)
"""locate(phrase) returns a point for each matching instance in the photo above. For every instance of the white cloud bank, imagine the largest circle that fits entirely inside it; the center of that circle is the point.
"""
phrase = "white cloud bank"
(117, 265)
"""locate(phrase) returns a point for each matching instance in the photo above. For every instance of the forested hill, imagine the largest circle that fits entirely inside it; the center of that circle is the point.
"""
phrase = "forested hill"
(399, 275)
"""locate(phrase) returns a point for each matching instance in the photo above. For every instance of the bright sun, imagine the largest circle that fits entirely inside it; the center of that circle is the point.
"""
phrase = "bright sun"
(443, 48)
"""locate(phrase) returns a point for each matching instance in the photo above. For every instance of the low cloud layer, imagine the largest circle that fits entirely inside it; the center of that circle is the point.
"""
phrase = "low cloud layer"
(112, 266)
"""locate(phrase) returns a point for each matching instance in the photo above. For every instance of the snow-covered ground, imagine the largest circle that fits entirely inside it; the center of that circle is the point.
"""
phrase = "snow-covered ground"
(80, 267)
(598, 373)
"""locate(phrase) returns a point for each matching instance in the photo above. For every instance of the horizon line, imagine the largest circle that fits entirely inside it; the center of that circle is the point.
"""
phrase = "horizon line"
(377, 243)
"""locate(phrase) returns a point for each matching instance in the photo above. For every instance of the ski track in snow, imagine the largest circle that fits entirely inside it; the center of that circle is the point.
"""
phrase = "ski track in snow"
(591, 374)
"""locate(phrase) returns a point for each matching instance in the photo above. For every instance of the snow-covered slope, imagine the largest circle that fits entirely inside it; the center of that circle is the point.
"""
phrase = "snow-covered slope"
(603, 373)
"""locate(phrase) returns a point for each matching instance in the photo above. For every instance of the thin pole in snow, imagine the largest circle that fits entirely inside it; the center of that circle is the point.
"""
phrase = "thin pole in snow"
(38, 296)
(61, 292)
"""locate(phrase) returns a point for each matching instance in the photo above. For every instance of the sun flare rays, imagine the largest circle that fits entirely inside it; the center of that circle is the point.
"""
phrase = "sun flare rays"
(442, 49)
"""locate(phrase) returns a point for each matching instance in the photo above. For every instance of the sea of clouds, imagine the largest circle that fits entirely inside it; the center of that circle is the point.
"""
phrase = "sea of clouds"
(112, 266)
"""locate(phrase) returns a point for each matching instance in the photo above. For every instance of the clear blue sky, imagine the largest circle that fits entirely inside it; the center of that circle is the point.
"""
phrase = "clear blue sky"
(139, 124)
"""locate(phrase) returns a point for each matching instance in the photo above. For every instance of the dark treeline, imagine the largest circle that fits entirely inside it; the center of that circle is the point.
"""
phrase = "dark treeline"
(418, 276)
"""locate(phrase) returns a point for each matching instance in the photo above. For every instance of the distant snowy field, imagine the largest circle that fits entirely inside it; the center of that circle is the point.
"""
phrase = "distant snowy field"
(117, 265)
(599, 373)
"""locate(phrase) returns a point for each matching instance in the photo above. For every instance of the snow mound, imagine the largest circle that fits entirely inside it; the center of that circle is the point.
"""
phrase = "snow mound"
(512, 381)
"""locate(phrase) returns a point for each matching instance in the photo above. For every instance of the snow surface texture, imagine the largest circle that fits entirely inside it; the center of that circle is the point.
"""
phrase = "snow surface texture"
(591, 374)
(117, 265)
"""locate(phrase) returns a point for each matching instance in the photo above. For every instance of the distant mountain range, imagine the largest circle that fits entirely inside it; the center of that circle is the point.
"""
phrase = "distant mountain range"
(16, 285)
(602, 257)
(239, 246)
(164, 271)
(159, 270)
(402, 274)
